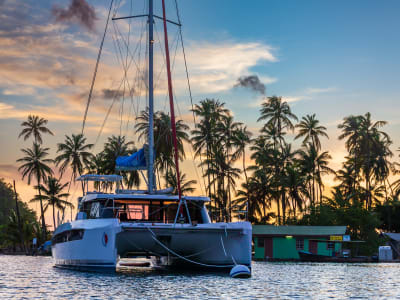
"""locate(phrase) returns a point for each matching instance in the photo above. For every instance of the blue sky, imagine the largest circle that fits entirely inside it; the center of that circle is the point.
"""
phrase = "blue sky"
(332, 58)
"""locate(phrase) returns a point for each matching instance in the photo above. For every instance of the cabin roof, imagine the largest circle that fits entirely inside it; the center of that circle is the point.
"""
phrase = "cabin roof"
(96, 177)
(94, 196)
(298, 230)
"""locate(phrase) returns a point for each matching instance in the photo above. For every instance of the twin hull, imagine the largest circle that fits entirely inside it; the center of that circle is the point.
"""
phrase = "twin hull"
(103, 241)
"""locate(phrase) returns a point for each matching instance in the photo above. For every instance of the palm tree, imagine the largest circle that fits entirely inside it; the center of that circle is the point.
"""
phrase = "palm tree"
(250, 199)
(351, 130)
(314, 164)
(53, 196)
(295, 183)
(34, 126)
(369, 148)
(278, 113)
(204, 136)
(35, 164)
(278, 116)
(163, 141)
(310, 130)
(240, 139)
(265, 157)
(74, 154)
(186, 185)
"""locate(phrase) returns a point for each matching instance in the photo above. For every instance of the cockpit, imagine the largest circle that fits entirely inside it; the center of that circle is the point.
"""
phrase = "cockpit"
(138, 206)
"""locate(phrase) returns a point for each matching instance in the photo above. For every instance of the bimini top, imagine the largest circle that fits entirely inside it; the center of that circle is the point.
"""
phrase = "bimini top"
(92, 196)
(95, 177)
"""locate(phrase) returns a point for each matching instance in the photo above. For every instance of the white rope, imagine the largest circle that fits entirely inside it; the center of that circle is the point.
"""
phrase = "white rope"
(184, 258)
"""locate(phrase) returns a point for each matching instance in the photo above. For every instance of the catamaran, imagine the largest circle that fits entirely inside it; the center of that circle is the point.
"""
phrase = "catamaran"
(175, 230)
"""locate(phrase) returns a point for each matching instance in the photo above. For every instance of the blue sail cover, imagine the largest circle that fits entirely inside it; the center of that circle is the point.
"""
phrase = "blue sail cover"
(136, 161)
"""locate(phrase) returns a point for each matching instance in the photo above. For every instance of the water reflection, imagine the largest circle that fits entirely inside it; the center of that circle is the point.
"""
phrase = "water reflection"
(28, 277)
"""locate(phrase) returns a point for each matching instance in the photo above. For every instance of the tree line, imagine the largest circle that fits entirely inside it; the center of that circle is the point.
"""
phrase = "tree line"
(278, 185)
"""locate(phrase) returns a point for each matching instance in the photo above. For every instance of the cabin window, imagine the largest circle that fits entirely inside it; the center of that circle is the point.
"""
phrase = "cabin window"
(260, 242)
(95, 210)
(299, 244)
(68, 236)
(330, 246)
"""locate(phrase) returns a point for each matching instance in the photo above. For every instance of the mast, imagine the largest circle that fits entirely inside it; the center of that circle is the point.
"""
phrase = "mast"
(171, 103)
(173, 124)
(150, 171)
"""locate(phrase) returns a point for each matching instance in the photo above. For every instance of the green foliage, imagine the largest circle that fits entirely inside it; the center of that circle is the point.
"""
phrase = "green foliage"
(9, 230)
(389, 215)
(7, 201)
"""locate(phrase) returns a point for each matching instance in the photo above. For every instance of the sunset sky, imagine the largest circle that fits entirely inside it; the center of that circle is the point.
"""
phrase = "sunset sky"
(332, 58)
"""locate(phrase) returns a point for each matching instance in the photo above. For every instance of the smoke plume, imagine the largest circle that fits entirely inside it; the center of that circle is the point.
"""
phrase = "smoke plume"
(251, 82)
(78, 10)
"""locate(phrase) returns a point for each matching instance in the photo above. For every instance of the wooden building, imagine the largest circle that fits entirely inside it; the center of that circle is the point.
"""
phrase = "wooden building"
(283, 242)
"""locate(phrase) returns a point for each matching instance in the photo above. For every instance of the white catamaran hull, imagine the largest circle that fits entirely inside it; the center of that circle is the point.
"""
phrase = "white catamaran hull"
(212, 245)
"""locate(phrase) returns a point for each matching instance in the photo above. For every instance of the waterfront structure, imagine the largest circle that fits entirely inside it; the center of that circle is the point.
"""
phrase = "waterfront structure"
(283, 242)
(393, 242)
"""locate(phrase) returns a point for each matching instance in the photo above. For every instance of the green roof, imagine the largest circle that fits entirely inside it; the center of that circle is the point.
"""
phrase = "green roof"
(298, 230)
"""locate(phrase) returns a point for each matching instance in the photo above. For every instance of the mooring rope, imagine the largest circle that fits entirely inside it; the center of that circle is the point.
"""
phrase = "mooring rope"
(184, 258)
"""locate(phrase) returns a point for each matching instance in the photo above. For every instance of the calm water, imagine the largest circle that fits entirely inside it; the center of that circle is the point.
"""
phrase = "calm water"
(35, 277)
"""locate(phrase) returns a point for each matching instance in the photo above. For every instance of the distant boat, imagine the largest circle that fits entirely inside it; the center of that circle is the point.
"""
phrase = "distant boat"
(174, 228)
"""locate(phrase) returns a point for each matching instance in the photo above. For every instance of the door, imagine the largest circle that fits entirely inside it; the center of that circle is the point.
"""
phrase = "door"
(268, 252)
(313, 247)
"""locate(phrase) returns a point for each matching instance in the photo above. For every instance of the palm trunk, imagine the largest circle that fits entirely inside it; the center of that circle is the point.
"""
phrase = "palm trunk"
(247, 183)
(279, 210)
(41, 210)
(54, 218)
(283, 207)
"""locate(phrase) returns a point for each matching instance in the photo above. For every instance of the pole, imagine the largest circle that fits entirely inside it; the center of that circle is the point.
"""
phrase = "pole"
(150, 172)
(18, 217)
(171, 105)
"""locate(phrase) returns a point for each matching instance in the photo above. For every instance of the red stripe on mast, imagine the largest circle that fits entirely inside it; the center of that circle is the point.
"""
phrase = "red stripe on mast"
(171, 104)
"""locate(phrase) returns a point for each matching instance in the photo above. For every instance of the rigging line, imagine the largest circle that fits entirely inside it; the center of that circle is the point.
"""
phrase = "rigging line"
(137, 84)
(126, 63)
(175, 44)
(167, 129)
(120, 60)
(188, 82)
(132, 55)
(180, 115)
(162, 69)
(126, 68)
(96, 67)
(106, 118)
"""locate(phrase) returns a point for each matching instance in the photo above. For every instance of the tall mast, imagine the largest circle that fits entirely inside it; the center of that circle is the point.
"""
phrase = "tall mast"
(171, 105)
(150, 171)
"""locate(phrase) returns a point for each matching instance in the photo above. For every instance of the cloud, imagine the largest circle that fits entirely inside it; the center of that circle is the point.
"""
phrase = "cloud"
(308, 94)
(111, 94)
(293, 99)
(215, 67)
(320, 90)
(78, 10)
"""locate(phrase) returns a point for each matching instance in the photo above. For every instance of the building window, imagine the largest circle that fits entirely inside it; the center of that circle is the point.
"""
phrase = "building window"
(330, 246)
(299, 244)
(260, 242)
